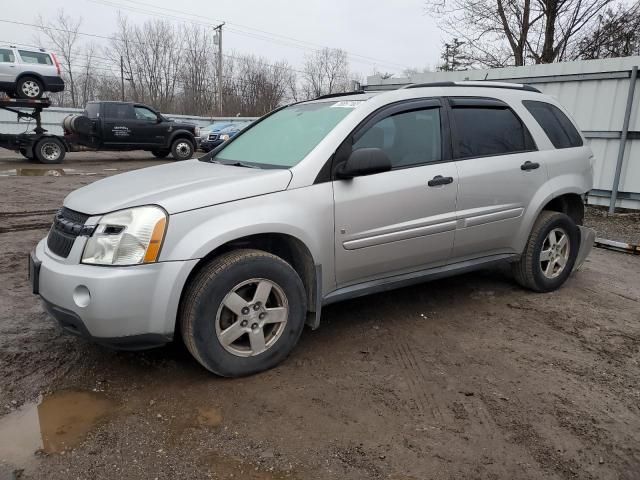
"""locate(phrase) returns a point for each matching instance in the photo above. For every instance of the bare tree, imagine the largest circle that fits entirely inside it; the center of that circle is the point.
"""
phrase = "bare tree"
(454, 57)
(325, 71)
(616, 34)
(498, 33)
(63, 34)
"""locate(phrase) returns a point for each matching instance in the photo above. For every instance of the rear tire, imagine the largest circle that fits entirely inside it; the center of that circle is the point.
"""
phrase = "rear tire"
(30, 88)
(182, 149)
(160, 153)
(49, 150)
(243, 313)
(550, 253)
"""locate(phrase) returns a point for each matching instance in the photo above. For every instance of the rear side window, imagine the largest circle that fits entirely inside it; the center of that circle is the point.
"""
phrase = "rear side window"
(484, 131)
(6, 56)
(408, 138)
(92, 110)
(118, 111)
(35, 57)
(555, 124)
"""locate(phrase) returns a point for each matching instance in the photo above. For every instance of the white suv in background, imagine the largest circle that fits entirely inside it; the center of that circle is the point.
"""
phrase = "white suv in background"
(28, 72)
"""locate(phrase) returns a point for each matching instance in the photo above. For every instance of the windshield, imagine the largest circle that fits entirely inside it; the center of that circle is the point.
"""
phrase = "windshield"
(284, 138)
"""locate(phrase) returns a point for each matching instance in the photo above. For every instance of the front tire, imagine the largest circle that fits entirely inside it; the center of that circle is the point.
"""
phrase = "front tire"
(182, 149)
(30, 88)
(49, 150)
(550, 253)
(243, 313)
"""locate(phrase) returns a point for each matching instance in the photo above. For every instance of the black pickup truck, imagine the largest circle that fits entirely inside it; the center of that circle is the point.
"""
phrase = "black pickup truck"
(130, 126)
(102, 126)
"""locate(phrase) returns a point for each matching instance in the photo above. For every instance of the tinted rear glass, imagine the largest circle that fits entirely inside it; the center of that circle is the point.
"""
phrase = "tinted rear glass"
(118, 111)
(483, 131)
(555, 124)
(92, 110)
(35, 57)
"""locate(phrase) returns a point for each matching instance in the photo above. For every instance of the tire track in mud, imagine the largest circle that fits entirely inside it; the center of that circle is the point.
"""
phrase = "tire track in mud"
(38, 223)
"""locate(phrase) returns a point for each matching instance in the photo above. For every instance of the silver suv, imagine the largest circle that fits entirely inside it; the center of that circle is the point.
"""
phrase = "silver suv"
(318, 202)
(28, 73)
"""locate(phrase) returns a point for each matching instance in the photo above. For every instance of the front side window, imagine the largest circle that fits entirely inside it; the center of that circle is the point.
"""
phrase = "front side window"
(484, 131)
(284, 138)
(555, 124)
(408, 138)
(6, 56)
(35, 57)
(143, 113)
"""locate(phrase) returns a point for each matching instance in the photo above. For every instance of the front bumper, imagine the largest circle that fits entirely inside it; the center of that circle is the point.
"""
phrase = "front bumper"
(124, 307)
(208, 145)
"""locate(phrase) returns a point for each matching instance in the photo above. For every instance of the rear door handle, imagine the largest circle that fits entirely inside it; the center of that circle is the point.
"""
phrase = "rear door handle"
(439, 180)
(529, 165)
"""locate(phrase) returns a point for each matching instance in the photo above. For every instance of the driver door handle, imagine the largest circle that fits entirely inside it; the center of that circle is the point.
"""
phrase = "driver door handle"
(529, 165)
(439, 180)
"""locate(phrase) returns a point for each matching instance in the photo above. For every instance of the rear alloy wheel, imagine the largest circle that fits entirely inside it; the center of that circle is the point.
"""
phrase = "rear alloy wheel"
(49, 150)
(550, 253)
(182, 149)
(29, 87)
(243, 313)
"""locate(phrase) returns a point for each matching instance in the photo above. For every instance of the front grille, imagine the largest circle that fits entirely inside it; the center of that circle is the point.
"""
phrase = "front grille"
(67, 226)
(213, 136)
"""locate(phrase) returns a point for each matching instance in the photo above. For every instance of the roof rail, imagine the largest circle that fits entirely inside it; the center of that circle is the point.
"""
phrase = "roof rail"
(478, 83)
(343, 94)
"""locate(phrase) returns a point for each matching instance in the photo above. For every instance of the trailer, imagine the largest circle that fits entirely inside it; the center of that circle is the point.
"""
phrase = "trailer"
(36, 144)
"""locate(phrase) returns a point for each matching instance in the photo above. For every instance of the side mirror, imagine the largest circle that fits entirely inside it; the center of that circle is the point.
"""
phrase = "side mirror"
(364, 161)
(159, 119)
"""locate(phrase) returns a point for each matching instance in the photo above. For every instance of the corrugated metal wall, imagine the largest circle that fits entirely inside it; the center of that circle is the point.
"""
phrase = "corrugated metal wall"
(52, 120)
(595, 92)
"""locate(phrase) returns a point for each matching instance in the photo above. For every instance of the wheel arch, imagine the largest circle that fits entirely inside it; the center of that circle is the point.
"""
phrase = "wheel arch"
(288, 247)
(182, 134)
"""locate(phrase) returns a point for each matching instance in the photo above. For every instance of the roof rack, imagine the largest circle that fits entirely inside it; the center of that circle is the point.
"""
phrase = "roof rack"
(478, 83)
(343, 94)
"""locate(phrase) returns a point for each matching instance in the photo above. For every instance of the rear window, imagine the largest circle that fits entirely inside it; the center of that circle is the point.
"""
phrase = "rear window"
(92, 110)
(555, 124)
(118, 111)
(484, 131)
(35, 57)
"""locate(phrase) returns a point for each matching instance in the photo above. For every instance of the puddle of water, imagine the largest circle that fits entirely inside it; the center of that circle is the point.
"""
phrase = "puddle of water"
(55, 424)
(209, 417)
(42, 172)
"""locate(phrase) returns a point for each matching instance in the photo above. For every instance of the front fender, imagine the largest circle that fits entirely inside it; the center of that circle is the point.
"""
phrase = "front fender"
(305, 214)
(181, 133)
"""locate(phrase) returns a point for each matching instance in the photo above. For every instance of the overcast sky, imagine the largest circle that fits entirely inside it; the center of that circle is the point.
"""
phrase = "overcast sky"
(391, 35)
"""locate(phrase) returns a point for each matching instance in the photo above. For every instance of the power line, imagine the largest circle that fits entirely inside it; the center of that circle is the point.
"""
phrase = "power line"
(116, 39)
(261, 35)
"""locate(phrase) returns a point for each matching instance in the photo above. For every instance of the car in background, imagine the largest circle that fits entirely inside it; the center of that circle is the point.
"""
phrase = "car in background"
(216, 138)
(29, 72)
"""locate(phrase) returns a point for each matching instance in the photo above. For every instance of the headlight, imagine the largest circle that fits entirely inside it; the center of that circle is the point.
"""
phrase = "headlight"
(197, 132)
(127, 237)
(224, 137)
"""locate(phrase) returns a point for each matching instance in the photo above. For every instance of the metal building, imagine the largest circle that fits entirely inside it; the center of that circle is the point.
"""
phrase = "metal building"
(600, 96)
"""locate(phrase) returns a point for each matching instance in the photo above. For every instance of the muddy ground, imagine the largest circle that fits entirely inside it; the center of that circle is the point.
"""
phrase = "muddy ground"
(469, 377)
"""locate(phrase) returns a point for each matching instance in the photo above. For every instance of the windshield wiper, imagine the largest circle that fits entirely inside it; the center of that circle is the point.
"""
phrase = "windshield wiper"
(236, 164)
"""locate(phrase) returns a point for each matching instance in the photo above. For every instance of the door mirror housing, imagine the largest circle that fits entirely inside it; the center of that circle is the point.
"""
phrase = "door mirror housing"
(159, 118)
(364, 161)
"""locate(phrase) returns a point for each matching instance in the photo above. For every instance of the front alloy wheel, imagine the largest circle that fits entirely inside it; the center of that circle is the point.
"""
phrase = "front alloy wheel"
(252, 317)
(243, 312)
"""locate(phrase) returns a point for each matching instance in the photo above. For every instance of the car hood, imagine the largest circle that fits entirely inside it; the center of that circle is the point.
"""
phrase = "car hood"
(177, 187)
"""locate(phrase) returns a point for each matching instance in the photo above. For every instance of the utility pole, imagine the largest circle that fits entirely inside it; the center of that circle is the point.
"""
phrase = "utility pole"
(218, 40)
(122, 77)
